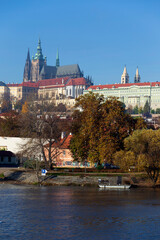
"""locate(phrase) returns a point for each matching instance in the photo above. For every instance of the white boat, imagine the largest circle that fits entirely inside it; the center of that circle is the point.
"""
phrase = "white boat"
(106, 184)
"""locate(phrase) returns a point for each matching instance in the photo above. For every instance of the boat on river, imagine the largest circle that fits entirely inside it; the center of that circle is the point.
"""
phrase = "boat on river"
(106, 184)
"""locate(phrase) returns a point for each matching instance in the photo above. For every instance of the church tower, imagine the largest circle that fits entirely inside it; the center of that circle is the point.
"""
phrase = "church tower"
(57, 60)
(27, 69)
(37, 63)
(125, 76)
(137, 78)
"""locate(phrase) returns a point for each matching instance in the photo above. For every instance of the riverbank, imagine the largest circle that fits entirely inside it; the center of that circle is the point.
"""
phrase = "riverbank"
(22, 176)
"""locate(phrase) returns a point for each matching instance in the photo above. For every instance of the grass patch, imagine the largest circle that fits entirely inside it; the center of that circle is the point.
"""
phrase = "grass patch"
(2, 175)
(80, 174)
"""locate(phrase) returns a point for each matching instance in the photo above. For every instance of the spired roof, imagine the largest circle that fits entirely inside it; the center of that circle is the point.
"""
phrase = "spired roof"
(137, 72)
(57, 59)
(125, 72)
(68, 70)
(39, 54)
(2, 84)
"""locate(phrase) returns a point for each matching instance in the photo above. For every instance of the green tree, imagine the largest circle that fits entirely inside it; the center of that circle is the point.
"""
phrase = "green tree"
(135, 110)
(158, 110)
(146, 109)
(140, 110)
(153, 111)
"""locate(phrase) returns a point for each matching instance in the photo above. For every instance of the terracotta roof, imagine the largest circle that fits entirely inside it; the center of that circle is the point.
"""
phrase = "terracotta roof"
(63, 143)
(29, 84)
(77, 81)
(54, 81)
(153, 84)
(24, 84)
(55, 86)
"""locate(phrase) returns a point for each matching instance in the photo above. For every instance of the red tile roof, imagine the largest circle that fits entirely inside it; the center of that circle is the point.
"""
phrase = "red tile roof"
(63, 143)
(153, 84)
(24, 84)
(54, 81)
(55, 86)
(76, 81)
(13, 84)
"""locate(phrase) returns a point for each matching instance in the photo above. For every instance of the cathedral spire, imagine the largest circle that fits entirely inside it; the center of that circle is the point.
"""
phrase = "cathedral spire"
(39, 45)
(27, 68)
(28, 55)
(57, 59)
(39, 54)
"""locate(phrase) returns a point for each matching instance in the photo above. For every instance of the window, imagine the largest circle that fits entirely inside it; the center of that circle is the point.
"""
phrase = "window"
(47, 95)
(68, 163)
(64, 153)
(9, 159)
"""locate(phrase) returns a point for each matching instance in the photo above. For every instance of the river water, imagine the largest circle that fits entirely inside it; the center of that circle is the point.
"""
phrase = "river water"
(68, 213)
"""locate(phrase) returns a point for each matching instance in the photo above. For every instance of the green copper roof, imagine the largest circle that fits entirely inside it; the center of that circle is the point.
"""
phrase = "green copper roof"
(57, 59)
(39, 54)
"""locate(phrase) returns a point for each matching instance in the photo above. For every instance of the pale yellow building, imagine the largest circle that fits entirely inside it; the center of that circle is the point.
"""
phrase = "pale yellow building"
(22, 91)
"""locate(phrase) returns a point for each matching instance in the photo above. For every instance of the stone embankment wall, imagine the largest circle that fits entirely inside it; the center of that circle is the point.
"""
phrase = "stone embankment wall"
(29, 177)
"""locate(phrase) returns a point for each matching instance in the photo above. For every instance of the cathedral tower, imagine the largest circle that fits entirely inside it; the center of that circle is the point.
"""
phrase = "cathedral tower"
(37, 63)
(137, 76)
(27, 69)
(125, 76)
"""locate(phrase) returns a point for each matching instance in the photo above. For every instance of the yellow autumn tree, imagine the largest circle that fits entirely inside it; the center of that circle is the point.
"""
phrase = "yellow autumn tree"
(25, 107)
(142, 150)
(99, 128)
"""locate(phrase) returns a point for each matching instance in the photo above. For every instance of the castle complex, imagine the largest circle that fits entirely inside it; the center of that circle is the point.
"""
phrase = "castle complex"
(59, 84)
(63, 84)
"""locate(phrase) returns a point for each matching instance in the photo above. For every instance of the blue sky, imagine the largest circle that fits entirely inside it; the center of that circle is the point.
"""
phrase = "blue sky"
(101, 36)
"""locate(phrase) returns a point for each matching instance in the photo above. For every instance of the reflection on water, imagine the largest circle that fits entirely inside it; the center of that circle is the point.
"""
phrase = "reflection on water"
(78, 213)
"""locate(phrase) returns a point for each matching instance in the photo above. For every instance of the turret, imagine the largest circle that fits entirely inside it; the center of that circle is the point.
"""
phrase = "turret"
(137, 78)
(125, 76)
